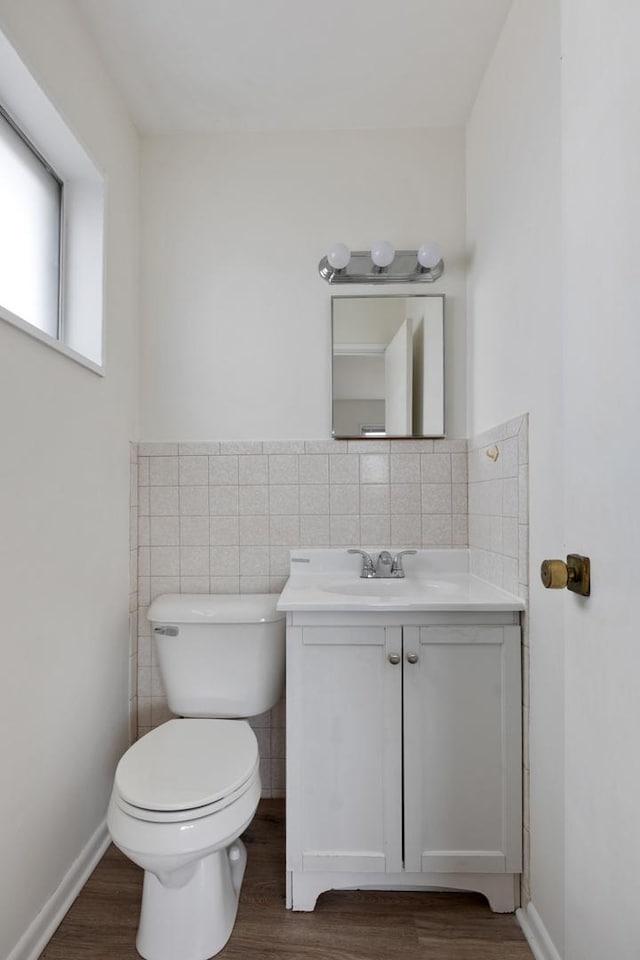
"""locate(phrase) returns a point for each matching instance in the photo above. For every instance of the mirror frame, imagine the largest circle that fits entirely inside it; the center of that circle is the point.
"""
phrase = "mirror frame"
(413, 436)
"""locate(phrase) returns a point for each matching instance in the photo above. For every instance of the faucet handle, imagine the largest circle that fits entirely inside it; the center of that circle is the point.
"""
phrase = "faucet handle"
(368, 569)
(396, 567)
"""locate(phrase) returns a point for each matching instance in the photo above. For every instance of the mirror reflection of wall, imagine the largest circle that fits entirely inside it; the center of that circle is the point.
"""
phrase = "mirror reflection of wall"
(388, 363)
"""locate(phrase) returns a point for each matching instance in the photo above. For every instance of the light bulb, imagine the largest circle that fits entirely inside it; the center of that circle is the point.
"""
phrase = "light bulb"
(339, 256)
(429, 255)
(382, 253)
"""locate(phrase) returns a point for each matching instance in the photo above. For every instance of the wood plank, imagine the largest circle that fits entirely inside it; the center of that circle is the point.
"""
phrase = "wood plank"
(347, 925)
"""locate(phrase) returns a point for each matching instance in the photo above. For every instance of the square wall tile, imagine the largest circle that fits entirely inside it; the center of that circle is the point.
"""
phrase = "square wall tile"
(254, 561)
(194, 501)
(283, 468)
(164, 561)
(436, 531)
(223, 500)
(344, 530)
(225, 562)
(254, 530)
(435, 468)
(194, 584)
(253, 469)
(253, 500)
(405, 467)
(163, 501)
(436, 498)
(194, 471)
(224, 531)
(374, 498)
(163, 471)
(225, 585)
(406, 531)
(279, 561)
(313, 468)
(344, 468)
(314, 498)
(314, 531)
(374, 468)
(344, 498)
(194, 561)
(194, 531)
(375, 530)
(164, 531)
(284, 531)
(223, 470)
(160, 585)
(405, 498)
(283, 499)
(254, 584)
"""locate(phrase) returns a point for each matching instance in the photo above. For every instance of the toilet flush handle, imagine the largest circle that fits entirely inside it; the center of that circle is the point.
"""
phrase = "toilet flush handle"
(166, 631)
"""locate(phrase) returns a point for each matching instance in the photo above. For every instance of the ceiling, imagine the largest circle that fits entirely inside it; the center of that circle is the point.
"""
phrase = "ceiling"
(211, 65)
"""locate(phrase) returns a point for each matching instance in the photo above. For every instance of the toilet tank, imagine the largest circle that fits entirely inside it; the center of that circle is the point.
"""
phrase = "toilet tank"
(219, 656)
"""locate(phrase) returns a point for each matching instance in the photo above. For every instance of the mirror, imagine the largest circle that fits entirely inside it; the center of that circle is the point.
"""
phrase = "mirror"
(387, 366)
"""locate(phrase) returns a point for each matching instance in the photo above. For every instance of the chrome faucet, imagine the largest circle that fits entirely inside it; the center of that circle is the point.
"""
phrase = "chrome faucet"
(384, 563)
(368, 569)
(385, 566)
(397, 570)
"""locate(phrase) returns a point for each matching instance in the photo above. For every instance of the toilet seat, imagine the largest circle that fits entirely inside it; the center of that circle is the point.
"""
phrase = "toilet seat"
(187, 769)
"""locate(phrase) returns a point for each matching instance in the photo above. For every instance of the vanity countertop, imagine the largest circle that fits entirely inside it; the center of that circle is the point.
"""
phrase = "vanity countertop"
(435, 580)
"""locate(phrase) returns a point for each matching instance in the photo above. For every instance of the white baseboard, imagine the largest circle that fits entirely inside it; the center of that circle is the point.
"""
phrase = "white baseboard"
(41, 929)
(535, 931)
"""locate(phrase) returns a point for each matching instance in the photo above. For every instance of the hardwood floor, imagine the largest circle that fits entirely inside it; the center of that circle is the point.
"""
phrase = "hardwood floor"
(102, 923)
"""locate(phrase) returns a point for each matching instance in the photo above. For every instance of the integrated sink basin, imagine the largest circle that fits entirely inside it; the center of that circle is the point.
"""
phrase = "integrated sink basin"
(385, 588)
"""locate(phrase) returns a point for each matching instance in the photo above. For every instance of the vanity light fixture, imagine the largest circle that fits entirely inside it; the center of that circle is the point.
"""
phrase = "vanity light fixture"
(382, 254)
(382, 264)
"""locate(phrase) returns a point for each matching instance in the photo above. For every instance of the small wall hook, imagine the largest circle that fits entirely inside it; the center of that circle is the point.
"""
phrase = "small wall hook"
(493, 452)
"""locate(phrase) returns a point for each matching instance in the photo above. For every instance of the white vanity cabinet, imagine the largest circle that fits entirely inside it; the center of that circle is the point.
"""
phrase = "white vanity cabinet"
(403, 753)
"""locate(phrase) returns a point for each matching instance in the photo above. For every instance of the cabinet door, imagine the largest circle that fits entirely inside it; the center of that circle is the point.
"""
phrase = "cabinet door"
(462, 726)
(344, 783)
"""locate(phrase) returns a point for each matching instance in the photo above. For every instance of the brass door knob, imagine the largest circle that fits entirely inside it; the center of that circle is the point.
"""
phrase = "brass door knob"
(554, 574)
(575, 574)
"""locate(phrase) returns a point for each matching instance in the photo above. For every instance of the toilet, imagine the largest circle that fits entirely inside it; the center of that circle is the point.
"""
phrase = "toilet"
(184, 793)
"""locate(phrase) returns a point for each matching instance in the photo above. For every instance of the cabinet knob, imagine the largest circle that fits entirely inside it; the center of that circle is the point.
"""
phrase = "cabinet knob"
(394, 658)
(412, 657)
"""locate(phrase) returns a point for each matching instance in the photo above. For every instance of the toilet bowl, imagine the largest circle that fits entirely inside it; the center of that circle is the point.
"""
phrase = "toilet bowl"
(184, 793)
(180, 820)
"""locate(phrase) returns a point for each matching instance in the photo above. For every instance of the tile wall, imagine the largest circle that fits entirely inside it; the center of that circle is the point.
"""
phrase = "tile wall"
(499, 546)
(222, 517)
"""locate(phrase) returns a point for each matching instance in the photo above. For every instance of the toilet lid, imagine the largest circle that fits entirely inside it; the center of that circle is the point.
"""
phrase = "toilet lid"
(187, 763)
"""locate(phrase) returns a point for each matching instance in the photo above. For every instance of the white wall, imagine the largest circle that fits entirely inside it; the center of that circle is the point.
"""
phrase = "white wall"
(236, 320)
(514, 197)
(64, 508)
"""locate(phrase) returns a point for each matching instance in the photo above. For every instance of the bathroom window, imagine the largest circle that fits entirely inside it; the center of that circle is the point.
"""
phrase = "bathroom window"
(30, 226)
(52, 203)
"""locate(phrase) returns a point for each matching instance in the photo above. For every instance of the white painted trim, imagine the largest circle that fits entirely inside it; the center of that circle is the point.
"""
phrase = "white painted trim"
(535, 931)
(82, 316)
(59, 345)
(41, 929)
